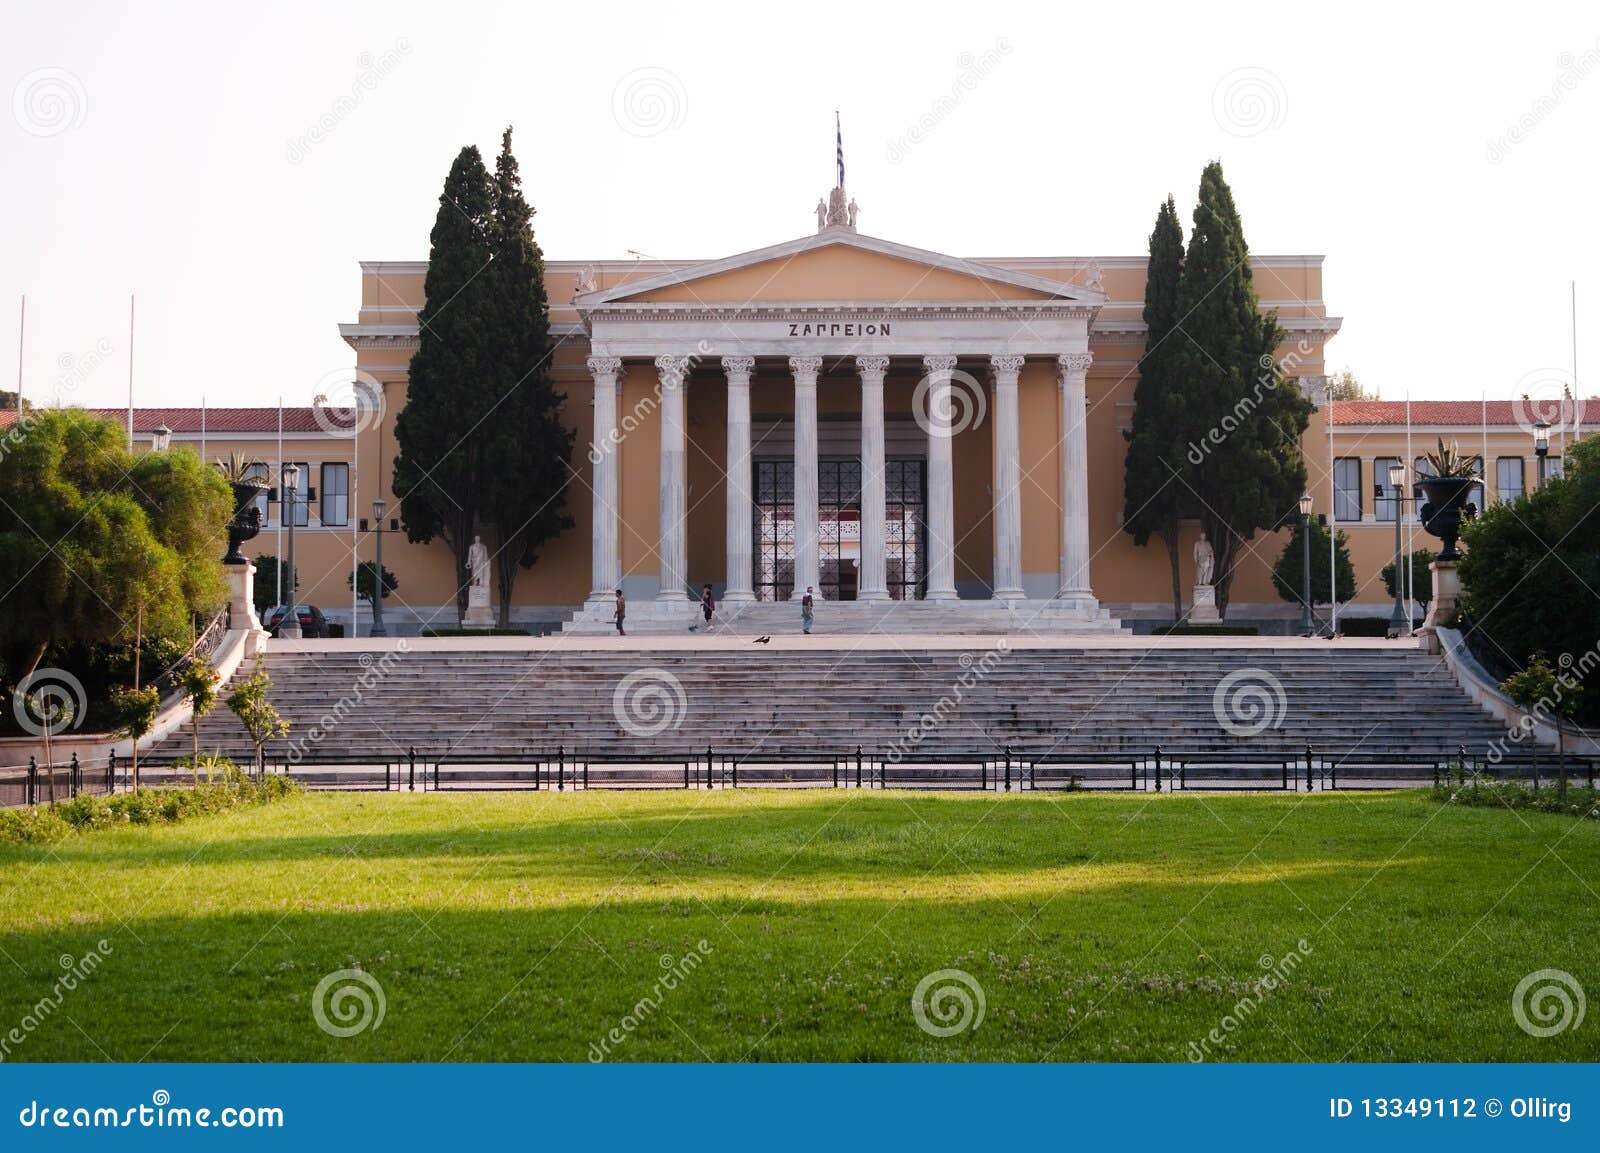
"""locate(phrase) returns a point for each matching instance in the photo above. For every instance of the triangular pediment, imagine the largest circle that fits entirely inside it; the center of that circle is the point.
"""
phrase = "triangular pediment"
(837, 265)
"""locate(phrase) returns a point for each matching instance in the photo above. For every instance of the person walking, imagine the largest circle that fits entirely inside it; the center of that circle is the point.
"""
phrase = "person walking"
(807, 610)
(622, 612)
(708, 605)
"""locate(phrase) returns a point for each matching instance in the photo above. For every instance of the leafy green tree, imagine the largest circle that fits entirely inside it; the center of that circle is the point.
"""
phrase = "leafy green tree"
(527, 450)
(1343, 385)
(1421, 576)
(199, 682)
(1529, 568)
(1540, 690)
(1245, 424)
(439, 467)
(249, 703)
(265, 590)
(135, 708)
(1288, 572)
(93, 538)
(1154, 490)
(365, 581)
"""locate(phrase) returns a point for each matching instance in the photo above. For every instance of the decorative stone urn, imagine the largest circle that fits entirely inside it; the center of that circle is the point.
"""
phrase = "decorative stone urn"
(1444, 507)
(246, 520)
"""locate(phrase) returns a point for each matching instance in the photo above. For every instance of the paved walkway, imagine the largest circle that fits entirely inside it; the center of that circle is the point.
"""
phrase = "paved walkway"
(692, 642)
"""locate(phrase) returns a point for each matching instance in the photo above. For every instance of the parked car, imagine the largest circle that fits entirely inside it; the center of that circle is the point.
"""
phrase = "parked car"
(312, 622)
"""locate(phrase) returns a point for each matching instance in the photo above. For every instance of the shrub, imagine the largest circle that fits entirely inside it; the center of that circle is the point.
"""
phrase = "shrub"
(232, 789)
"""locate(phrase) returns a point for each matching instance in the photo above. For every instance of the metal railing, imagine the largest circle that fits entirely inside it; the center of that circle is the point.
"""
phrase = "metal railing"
(1244, 769)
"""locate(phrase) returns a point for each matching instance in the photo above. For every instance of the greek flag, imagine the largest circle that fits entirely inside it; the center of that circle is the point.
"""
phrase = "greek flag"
(838, 136)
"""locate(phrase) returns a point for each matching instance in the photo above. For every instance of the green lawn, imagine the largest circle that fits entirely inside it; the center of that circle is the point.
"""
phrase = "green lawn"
(527, 927)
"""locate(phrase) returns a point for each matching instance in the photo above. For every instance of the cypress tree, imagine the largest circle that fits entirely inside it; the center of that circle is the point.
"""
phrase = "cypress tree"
(1244, 422)
(438, 466)
(1154, 490)
(527, 451)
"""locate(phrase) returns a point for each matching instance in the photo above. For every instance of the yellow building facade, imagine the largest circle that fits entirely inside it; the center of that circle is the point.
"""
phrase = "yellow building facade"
(891, 426)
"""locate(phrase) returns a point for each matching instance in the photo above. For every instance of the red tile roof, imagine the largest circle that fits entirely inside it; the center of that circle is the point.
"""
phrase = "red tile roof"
(219, 420)
(1510, 413)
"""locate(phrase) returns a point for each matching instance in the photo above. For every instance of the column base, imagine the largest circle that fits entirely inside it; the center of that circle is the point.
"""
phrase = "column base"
(738, 597)
(942, 595)
(1008, 594)
(1079, 599)
(875, 596)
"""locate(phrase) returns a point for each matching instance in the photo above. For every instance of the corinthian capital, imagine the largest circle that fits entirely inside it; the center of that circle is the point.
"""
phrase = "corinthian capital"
(1006, 365)
(672, 369)
(739, 367)
(1075, 362)
(805, 368)
(605, 366)
(939, 363)
(872, 367)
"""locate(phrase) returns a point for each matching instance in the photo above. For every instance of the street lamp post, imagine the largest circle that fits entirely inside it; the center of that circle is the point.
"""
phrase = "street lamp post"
(1541, 447)
(1400, 619)
(379, 507)
(290, 628)
(1306, 626)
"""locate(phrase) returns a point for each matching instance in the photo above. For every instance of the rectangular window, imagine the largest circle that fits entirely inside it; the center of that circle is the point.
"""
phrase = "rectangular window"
(1384, 506)
(1347, 488)
(1508, 478)
(1553, 468)
(335, 494)
(1476, 498)
(301, 512)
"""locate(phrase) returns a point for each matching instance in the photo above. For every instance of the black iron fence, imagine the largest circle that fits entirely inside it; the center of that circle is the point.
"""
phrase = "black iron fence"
(1157, 770)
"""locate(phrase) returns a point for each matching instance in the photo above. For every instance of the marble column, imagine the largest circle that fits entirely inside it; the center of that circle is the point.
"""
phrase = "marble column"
(874, 568)
(741, 555)
(807, 559)
(1075, 588)
(1007, 479)
(941, 479)
(605, 571)
(673, 546)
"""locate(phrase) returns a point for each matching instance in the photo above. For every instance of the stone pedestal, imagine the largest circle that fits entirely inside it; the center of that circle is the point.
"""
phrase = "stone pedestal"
(479, 613)
(1446, 592)
(1204, 607)
(242, 606)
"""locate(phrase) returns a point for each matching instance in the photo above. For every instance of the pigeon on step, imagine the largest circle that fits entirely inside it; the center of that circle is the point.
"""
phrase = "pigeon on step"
(762, 641)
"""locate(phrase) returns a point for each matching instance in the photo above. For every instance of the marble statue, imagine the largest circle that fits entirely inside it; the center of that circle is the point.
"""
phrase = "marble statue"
(852, 210)
(822, 214)
(1205, 561)
(479, 615)
(1094, 278)
(478, 563)
(585, 279)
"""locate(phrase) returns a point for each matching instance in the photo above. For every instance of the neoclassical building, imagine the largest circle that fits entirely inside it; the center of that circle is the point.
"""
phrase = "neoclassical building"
(918, 437)
(885, 424)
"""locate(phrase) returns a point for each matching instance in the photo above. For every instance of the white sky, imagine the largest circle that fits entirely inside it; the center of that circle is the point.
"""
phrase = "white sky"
(170, 173)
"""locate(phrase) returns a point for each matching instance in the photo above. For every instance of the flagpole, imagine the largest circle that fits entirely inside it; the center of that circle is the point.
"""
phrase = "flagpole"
(22, 333)
(1333, 535)
(1410, 581)
(280, 502)
(1577, 389)
(1483, 422)
(202, 427)
(130, 372)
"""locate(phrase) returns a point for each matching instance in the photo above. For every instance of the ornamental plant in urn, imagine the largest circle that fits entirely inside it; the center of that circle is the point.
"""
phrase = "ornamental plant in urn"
(247, 486)
(1445, 496)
